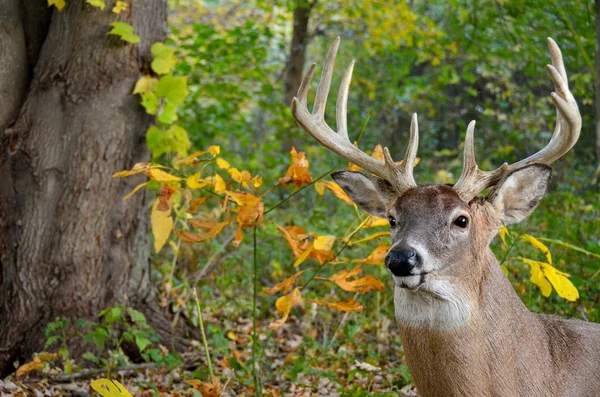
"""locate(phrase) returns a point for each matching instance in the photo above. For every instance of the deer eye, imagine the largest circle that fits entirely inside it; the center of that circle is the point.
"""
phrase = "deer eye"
(392, 221)
(462, 221)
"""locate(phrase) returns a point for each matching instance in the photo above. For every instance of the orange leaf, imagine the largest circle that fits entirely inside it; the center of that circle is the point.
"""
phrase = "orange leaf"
(284, 304)
(212, 230)
(293, 236)
(297, 173)
(164, 195)
(361, 285)
(250, 212)
(207, 389)
(343, 306)
(36, 364)
(285, 284)
(376, 257)
(335, 189)
(195, 203)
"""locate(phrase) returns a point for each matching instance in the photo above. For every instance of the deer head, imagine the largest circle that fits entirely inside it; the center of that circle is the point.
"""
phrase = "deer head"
(440, 234)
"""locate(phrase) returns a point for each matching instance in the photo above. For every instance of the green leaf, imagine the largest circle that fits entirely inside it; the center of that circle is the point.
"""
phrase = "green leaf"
(51, 340)
(113, 315)
(145, 84)
(137, 316)
(168, 115)
(164, 58)
(142, 342)
(124, 31)
(150, 102)
(97, 3)
(90, 357)
(174, 89)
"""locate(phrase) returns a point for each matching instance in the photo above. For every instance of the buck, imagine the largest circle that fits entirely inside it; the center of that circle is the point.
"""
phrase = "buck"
(465, 330)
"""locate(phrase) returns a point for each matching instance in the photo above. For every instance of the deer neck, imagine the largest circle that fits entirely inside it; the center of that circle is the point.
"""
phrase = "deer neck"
(455, 339)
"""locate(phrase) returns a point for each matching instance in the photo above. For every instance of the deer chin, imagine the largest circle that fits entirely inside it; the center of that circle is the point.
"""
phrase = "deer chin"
(425, 300)
(413, 282)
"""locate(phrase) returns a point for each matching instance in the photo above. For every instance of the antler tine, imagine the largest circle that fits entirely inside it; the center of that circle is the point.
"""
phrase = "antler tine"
(325, 82)
(341, 108)
(404, 170)
(314, 124)
(566, 134)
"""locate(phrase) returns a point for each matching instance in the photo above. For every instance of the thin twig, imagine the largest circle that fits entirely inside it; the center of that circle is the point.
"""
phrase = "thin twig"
(257, 385)
(214, 261)
(201, 325)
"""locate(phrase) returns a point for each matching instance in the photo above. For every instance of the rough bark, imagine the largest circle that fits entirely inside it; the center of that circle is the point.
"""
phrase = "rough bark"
(69, 244)
(295, 65)
(598, 80)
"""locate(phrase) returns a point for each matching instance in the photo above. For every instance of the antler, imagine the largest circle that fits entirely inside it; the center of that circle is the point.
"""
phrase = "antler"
(399, 175)
(568, 126)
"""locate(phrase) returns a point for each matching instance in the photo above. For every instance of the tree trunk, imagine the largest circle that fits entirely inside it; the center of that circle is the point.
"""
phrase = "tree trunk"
(295, 65)
(598, 80)
(69, 244)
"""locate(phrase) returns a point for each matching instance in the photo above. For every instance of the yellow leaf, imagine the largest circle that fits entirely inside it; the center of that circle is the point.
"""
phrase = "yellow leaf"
(256, 181)
(344, 306)
(139, 167)
(539, 245)
(222, 164)
(145, 84)
(503, 232)
(368, 238)
(320, 187)
(251, 208)
(562, 285)
(161, 176)
(60, 4)
(303, 256)
(337, 191)
(374, 221)
(135, 189)
(220, 185)
(538, 278)
(193, 159)
(324, 243)
(110, 388)
(162, 225)
(119, 6)
(360, 285)
(34, 365)
(284, 304)
(285, 284)
(378, 153)
(376, 257)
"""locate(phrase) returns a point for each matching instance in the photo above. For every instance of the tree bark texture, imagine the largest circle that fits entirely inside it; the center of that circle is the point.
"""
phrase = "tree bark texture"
(295, 65)
(598, 80)
(69, 244)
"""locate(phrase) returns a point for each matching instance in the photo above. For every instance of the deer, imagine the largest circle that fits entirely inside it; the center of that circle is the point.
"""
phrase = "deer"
(464, 329)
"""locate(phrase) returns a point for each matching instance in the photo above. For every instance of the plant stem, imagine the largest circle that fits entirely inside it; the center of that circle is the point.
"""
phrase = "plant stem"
(257, 385)
(201, 325)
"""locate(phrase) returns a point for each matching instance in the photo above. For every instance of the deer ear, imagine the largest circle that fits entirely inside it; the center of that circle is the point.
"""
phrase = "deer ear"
(370, 193)
(517, 195)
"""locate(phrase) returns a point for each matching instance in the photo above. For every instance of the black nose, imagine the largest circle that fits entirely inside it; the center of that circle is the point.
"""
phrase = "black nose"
(401, 261)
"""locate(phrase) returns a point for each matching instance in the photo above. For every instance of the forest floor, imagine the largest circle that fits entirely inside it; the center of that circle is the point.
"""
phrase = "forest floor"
(292, 364)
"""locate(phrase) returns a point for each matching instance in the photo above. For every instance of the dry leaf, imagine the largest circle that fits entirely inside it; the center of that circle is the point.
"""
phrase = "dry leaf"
(250, 212)
(343, 306)
(284, 304)
(212, 230)
(207, 389)
(376, 257)
(164, 196)
(285, 284)
(297, 173)
(195, 203)
(361, 285)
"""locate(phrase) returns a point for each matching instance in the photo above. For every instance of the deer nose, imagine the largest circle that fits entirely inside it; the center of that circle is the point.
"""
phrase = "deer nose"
(401, 261)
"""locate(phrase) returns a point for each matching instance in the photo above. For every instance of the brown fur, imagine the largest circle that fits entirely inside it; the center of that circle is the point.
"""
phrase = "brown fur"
(473, 336)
